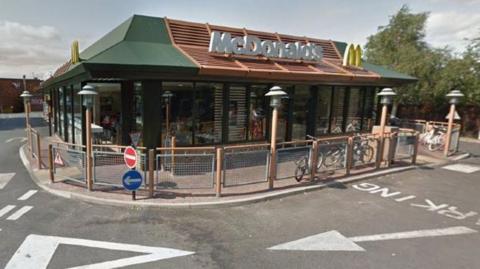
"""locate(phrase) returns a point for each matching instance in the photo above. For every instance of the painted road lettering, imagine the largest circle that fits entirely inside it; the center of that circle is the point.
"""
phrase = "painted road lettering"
(429, 205)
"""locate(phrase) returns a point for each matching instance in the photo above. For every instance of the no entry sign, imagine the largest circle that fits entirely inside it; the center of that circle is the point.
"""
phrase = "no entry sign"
(130, 157)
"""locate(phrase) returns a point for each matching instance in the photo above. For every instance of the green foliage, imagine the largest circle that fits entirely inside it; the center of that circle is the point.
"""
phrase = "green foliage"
(401, 46)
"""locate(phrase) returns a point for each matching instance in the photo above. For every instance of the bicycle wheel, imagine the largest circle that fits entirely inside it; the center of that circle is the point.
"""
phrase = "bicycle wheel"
(368, 153)
(320, 161)
(299, 173)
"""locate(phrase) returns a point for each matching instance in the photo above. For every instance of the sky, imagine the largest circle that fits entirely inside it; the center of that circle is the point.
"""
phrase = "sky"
(35, 36)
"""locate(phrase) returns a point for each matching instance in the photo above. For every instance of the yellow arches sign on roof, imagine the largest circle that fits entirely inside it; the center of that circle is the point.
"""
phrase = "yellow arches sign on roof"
(353, 55)
(75, 57)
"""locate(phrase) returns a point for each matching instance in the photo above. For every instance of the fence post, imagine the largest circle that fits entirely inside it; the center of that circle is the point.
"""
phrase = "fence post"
(380, 146)
(314, 160)
(50, 163)
(349, 156)
(173, 145)
(415, 148)
(218, 172)
(29, 138)
(39, 151)
(151, 159)
(391, 147)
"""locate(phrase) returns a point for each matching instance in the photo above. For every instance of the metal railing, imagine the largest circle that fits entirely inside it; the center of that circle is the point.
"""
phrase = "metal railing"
(246, 164)
(69, 163)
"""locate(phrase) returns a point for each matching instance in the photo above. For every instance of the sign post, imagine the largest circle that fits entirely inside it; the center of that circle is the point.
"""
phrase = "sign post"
(131, 180)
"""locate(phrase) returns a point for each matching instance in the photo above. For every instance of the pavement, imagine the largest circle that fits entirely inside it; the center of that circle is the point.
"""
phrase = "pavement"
(426, 217)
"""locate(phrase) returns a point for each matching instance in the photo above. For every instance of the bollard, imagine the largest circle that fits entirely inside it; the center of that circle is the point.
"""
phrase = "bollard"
(151, 164)
(50, 163)
(218, 172)
(349, 156)
(39, 152)
(314, 160)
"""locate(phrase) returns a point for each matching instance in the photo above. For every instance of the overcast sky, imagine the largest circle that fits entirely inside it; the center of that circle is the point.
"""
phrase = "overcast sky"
(35, 36)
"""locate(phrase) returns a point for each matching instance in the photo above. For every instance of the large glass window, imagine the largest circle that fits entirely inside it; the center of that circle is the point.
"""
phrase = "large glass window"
(257, 127)
(107, 113)
(337, 111)
(369, 110)
(237, 113)
(323, 110)
(355, 110)
(61, 109)
(208, 112)
(77, 114)
(69, 114)
(180, 112)
(300, 109)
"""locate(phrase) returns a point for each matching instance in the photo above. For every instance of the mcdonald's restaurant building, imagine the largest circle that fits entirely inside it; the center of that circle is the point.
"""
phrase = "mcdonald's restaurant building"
(206, 84)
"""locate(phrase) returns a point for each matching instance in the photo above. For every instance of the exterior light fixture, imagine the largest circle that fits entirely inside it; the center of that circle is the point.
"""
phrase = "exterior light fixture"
(387, 95)
(454, 97)
(276, 93)
(88, 92)
(26, 95)
(167, 95)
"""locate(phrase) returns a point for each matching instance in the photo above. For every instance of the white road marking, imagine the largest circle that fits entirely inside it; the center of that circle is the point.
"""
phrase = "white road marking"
(27, 195)
(22, 139)
(463, 168)
(5, 178)
(19, 213)
(6, 209)
(37, 250)
(335, 241)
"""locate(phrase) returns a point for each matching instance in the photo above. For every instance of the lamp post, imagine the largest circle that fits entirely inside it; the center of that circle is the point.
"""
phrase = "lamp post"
(454, 98)
(275, 93)
(167, 96)
(88, 93)
(386, 96)
(26, 105)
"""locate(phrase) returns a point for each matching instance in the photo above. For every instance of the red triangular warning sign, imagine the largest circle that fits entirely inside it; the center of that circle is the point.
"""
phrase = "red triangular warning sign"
(59, 160)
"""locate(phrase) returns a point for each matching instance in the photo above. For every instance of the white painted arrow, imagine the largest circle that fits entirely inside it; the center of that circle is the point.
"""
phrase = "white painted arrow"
(335, 241)
(37, 250)
(5, 178)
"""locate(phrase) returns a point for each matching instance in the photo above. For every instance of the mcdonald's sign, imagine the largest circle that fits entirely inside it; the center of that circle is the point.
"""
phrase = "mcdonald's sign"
(75, 53)
(353, 55)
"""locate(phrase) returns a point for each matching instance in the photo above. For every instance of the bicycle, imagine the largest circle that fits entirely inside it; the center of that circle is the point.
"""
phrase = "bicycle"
(333, 156)
(362, 151)
(434, 139)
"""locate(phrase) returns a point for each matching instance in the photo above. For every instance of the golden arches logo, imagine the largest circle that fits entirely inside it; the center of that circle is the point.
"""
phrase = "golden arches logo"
(75, 53)
(353, 55)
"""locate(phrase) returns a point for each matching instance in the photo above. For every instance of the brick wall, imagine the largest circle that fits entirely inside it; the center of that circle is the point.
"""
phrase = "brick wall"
(10, 90)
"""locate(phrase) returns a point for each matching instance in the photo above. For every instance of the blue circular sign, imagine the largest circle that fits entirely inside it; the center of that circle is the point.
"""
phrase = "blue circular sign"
(132, 180)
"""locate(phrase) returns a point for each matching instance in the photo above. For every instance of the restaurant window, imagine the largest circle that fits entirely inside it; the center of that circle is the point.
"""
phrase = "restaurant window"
(77, 114)
(237, 113)
(300, 109)
(283, 114)
(107, 113)
(69, 114)
(336, 123)
(181, 112)
(354, 111)
(369, 109)
(137, 113)
(257, 126)
(323, 110)
(207, 113)
(61, 110)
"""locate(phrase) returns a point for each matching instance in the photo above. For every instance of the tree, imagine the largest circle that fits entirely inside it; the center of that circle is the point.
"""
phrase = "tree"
(401, 46)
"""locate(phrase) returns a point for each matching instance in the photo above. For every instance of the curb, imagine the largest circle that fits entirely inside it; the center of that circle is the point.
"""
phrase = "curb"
(216, 204)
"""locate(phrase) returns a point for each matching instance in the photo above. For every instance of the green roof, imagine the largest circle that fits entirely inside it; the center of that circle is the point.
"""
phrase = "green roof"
(140, 41)
(143, 43)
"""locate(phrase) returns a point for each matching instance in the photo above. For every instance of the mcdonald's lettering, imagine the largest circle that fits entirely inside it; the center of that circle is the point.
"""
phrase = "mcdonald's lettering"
(353, 55)
(75, 54)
